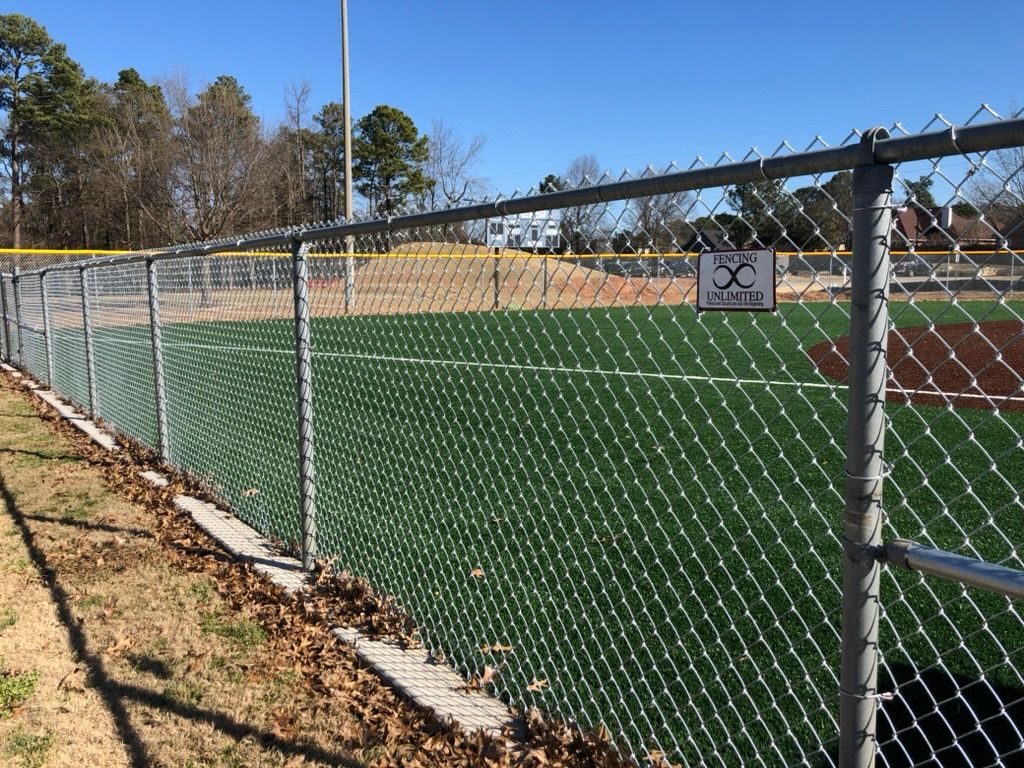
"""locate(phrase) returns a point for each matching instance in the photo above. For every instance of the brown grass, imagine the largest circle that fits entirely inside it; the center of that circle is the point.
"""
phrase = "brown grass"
(151, 647)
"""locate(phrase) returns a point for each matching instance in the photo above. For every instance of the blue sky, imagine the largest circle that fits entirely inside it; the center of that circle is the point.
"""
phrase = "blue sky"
(634, 83)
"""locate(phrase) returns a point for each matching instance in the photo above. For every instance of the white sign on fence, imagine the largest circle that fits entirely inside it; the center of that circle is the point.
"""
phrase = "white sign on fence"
(736, 280)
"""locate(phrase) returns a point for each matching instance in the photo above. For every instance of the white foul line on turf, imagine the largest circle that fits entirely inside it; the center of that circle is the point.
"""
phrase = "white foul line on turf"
(689, 377)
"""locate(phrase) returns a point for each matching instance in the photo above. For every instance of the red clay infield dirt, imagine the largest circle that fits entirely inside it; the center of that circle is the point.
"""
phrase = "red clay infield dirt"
(969, 365)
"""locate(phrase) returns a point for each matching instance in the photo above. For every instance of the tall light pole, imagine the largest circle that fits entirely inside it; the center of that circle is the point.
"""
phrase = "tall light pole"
(346, 113)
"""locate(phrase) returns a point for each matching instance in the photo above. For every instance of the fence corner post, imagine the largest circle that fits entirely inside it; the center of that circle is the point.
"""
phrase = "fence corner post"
(47, 327)
(865, 470)
(90, 356)
(304, 403)
(156, 341)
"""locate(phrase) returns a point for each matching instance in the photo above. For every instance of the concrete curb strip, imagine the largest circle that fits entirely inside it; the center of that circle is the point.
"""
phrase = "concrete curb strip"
(78, 420)
(412, 672)
(418, 676)
(245, 543)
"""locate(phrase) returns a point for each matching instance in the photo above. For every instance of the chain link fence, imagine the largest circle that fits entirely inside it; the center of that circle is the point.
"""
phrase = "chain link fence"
(631, 510)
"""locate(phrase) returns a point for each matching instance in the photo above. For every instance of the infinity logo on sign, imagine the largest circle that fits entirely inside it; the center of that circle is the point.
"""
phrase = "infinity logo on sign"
(733, 276)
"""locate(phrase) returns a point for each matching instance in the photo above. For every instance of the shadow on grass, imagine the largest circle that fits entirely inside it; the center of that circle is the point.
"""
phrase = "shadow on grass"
(116, 695)
(41, 455)
(941, 719)
(140, 533)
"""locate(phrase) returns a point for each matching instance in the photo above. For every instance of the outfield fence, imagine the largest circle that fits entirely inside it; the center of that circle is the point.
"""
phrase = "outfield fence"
(595, 498)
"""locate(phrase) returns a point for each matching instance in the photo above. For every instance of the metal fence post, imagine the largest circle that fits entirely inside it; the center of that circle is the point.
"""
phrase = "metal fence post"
(5, 325)
(90, 357)
(869, 318)
(304, 403)
(156, 339)
(496, 277)
(47, 332)
(20, 348)
(350, 277)
(544, 282)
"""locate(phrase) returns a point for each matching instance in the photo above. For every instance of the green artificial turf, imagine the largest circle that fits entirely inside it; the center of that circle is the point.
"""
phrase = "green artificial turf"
(652, 499)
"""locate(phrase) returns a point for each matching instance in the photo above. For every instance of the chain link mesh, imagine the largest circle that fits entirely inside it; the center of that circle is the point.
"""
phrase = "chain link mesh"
(229, 359)
(628, 508)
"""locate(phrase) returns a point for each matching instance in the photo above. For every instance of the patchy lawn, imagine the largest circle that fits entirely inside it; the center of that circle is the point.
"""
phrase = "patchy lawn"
(128, 638)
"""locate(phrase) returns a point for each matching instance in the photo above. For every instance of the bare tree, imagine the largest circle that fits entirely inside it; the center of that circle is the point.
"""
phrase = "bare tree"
(450, 164)
(653, 221)
(221, 168)
(222, 174)
(296, 104)
(581, 225)
(135, 145)
(998, 187)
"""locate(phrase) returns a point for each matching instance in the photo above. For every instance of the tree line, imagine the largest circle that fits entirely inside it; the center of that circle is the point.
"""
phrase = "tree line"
(815, 217)
(131, 164)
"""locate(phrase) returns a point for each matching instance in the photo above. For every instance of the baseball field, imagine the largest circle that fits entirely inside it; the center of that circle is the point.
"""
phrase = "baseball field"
(630, 513)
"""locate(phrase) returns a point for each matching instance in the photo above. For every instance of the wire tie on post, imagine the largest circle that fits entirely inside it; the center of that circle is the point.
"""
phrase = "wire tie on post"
(883, 696)
(760, 167)
(952, 138)
(958, 148)
(878, 478)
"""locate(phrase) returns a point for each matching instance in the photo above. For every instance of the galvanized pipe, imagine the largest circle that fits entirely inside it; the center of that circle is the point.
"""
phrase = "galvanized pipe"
(966, 570)
(350, 277)
(935, 144)
(90, 355)
(869, 320)
(496, 304)
(47, 334)
(6, 324)
(156, 339)
(20, 349)
(304, 403)
(544, 282)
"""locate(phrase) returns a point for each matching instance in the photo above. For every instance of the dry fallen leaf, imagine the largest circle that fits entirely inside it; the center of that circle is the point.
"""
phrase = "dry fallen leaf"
(477, 573)
(537, 685)
(657, 759)
(250, 492)
(193, 665)
(285, 723)
(121, 645)
(495, 648)
(477, 682)
(108, 608)
(73, 681)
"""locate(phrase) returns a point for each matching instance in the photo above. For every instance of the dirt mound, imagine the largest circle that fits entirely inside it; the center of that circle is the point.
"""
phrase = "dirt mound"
(966, 365)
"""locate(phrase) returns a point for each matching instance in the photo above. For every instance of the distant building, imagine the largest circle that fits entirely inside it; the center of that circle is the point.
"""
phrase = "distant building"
(706, 239)
(536, 232)
(941, 228)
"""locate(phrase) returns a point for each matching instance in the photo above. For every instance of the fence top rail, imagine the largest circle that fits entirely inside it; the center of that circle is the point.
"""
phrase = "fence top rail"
(876, 146)
(61, 252)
